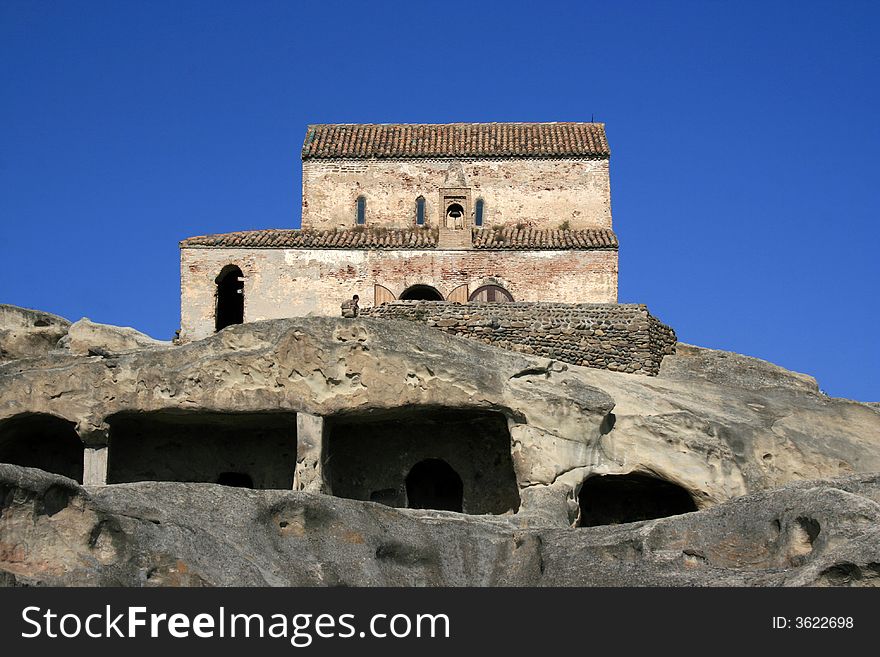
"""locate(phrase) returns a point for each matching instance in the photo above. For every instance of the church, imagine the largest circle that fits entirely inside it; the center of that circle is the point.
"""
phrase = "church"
(461, 212)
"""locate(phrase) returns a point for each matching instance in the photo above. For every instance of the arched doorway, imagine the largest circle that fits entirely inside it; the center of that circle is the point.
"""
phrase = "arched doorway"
(455, 216)
(229, 309)
(433, 484)
(492, 293)
(40, 440)
(615, 499)
(420, 293)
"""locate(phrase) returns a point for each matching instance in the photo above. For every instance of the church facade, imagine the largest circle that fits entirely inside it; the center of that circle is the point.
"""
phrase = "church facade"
(492, 212)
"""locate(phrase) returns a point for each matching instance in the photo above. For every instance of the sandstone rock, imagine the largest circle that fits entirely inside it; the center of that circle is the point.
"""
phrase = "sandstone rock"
(55, 533)
(88, 338)
(692, 363)
(717, 435)
(26, 333)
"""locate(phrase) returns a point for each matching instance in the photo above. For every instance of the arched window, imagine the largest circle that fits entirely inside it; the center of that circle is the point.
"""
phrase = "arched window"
(478, 213)
(420, 293)
(491, 293)
(361, 210)
(420, 211)
(433, 484)
(229, 308)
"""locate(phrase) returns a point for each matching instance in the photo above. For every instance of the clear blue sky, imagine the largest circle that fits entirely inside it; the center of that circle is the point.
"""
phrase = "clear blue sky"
(745, 140)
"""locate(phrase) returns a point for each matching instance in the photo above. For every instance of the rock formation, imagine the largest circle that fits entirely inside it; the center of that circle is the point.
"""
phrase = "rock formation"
(765, 480)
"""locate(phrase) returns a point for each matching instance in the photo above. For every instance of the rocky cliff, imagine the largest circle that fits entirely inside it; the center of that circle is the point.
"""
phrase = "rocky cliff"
(564, 471)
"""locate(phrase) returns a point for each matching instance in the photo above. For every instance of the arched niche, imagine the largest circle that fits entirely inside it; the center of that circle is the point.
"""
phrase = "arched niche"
(434, 484)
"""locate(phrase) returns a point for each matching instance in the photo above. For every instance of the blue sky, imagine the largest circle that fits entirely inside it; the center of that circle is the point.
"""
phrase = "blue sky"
(744, 141)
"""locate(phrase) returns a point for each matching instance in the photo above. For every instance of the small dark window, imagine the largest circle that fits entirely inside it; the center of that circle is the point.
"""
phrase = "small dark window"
(420, 211)
(478, 213)
(361, 211)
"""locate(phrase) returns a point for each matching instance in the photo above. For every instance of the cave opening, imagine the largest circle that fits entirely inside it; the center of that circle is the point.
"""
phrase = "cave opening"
(433, 484)
(423, 457)
(244, 449)
(40, 440)
(616, 499)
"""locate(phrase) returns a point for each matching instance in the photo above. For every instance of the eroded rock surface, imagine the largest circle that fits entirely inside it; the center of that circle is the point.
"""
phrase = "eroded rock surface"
(301, 386)
(26, 333)
(87, 338)
(54, 532)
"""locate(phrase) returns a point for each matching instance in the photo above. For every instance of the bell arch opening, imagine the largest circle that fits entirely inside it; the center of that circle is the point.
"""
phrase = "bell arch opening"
(229, 308)
(617, 499)
(420, 293)
(44, 441)
(455, 216)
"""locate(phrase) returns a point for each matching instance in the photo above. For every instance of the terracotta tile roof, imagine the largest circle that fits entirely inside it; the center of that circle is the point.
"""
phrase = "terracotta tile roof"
(534, 238)
(415, 238)
(420, 238)
(455, 140)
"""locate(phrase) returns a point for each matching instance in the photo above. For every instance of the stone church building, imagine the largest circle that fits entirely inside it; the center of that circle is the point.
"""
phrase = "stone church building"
(456, 212)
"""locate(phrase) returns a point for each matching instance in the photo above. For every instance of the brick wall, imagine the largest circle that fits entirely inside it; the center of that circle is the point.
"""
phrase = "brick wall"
(540, 192)
(621, 338)
(298, 282)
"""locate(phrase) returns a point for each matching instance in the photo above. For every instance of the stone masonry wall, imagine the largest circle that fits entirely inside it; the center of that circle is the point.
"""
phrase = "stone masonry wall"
(620, 338)
(540, 192)
(298, 282)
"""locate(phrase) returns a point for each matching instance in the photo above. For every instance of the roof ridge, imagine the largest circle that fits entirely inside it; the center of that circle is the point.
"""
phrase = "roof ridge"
(551, 139)
(320, 125)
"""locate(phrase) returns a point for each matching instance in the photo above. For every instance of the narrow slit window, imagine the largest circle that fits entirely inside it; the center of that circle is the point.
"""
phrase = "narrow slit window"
(478, 213)
(361, 211)
(420, 211)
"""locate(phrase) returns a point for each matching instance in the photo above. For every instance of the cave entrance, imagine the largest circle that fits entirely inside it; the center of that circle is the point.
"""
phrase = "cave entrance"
(423, 457)
(40, 440)
(420, 293)
(433, 484)
(615, 499)
(249, 449)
